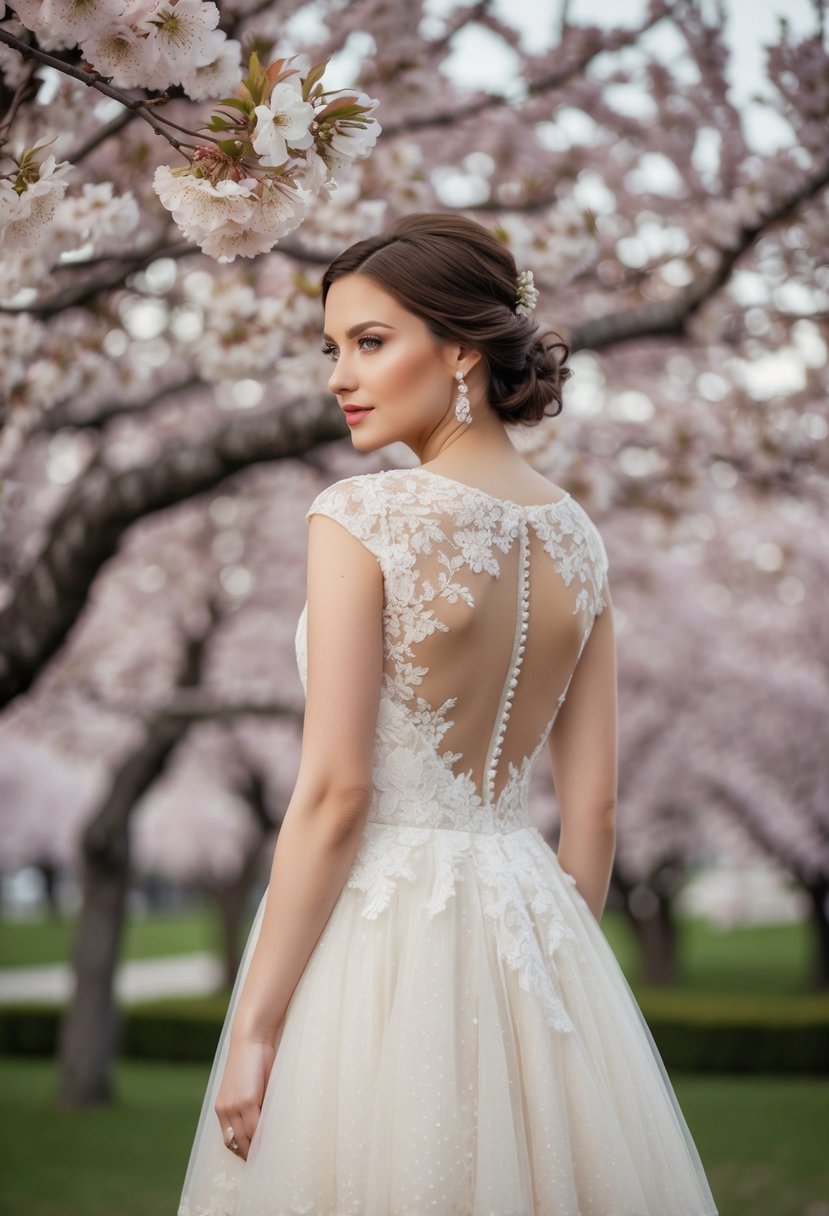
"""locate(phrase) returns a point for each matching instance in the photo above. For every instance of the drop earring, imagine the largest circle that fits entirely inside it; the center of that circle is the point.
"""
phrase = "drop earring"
(462, 412)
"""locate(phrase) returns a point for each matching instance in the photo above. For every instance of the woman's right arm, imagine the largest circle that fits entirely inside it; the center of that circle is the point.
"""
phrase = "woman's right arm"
(584, 753)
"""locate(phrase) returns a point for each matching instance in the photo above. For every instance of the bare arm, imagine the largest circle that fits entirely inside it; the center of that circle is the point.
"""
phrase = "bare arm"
(324, 822)
(584, 752)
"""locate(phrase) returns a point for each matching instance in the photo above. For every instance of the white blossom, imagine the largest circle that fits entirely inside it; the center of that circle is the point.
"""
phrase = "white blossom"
(221, 76)
(20, 337)
(31, 15)
(98, 214)
(118, 52)
(231, 218)
(285, 120)
(350, 139)
(25, 217)
(79, 19)
(244, 337)
(178, 39)
(353, 139)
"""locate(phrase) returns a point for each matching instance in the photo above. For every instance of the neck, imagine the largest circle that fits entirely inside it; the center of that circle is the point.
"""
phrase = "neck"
(481, 444)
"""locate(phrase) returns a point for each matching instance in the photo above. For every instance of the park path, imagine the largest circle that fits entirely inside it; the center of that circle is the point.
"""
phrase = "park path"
(137, 980)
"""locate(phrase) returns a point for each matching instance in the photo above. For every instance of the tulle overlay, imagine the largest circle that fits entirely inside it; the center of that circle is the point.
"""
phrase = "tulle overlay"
(418, 1072)
(462, 1041)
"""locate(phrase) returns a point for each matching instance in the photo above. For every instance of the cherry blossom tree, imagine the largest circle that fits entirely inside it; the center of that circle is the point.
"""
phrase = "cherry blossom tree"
(175, 176)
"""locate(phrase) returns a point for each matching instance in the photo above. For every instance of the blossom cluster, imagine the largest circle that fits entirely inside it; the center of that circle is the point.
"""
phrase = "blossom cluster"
(153, 44)
(271, 149)
(40, 223)
(285, 141)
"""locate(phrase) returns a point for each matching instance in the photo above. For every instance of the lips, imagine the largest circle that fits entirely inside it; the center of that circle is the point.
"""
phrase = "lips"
(354, 414)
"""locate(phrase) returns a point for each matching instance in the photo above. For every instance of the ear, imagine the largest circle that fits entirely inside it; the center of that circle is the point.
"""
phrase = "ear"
(461, 358)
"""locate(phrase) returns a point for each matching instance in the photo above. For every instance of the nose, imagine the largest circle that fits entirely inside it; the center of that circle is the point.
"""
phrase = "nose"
(341, 379)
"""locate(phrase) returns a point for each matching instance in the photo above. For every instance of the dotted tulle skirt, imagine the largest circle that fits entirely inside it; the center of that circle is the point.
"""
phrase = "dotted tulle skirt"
(418, 1071)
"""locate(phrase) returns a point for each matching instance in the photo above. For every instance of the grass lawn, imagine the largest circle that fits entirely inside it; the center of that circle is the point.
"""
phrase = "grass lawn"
(762, 1141)
(27, 943)
(764, 960)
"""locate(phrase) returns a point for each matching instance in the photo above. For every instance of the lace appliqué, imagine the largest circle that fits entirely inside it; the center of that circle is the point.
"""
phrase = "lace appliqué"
(423, 813)
(513, 878)
(479, 527)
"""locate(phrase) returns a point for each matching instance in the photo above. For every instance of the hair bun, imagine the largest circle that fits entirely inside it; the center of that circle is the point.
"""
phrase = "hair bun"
(537, 392)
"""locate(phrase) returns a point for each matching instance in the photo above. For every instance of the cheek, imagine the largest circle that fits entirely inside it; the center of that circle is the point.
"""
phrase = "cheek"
(409, 372)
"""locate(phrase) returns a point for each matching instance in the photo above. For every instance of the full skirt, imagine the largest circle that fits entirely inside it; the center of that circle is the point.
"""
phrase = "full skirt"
(487, 1060)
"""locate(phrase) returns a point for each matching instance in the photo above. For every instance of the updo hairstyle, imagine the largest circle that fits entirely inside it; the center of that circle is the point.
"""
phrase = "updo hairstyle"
(462, 282)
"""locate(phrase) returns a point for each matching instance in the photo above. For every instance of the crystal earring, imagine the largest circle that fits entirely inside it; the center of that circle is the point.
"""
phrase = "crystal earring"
(462, 412)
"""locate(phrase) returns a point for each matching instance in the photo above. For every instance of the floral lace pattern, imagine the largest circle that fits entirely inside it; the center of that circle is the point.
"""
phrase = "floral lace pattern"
(419, 802)
(508, 867)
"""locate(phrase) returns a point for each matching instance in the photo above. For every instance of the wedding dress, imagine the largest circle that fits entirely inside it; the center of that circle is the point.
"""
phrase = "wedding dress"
(462, 1041)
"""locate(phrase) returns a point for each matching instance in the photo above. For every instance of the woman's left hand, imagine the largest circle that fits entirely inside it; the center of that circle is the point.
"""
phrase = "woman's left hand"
(242, 1091)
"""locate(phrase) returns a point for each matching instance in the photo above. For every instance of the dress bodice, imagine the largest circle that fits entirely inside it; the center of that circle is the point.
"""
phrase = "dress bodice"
(488, 605)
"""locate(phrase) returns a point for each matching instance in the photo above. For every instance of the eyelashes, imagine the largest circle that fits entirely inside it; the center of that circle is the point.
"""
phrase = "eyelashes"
(330, 351)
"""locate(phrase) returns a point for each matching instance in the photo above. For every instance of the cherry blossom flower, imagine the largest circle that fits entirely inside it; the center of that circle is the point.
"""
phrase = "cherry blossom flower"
(345, 133)
(79, 19)
(117, 51)
(221, 75)
(98, 214)
(28, 205)
(178, 39)
(355, 139)
(285, 120)
(230, 218)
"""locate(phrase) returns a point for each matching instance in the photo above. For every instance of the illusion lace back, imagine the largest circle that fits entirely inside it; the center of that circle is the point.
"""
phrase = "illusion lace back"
(462, 1041)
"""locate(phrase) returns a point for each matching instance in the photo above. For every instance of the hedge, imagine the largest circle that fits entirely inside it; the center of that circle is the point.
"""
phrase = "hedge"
(694, 1032)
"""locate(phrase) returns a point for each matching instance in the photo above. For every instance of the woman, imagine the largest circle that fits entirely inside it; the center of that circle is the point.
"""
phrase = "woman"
(428, 1018)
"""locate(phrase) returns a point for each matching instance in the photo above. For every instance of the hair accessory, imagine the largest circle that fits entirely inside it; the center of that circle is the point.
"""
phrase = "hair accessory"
(526, 296)
(462, 412)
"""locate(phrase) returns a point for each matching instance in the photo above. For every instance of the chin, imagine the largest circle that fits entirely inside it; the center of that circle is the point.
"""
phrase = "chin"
(370, 443)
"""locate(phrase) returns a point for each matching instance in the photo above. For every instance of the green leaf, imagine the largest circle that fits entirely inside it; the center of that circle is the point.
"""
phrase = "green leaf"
(236, 103)
(315, 74)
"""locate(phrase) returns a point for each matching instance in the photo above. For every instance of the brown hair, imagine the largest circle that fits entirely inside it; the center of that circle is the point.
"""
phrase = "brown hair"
(462, 282)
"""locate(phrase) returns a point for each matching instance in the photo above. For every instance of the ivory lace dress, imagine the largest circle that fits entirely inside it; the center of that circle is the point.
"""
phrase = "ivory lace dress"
(462, 1041)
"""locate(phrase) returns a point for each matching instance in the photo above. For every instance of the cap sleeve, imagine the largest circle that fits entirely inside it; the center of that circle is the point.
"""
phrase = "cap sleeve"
(358, 504)
(601, 566)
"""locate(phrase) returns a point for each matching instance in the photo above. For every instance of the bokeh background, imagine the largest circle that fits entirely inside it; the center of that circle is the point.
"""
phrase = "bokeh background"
(662, 169)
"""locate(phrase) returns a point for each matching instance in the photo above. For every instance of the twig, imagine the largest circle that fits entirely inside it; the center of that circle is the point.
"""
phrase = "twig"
(104, 133)
(94, 80)
(545, 84)
(19, 93)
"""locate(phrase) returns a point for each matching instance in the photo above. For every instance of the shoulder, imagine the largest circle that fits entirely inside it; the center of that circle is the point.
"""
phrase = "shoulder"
(592, 535)
(358, 504)
(350, 495)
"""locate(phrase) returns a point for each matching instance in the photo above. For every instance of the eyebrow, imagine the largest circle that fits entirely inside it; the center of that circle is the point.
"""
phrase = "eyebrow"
(358, 329)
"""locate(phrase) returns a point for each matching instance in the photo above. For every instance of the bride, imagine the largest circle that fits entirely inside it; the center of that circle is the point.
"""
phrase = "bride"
(428, 1017)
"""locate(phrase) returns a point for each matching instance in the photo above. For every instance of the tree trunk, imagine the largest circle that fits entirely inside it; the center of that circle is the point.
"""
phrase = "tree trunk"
(819, 898)
(232, 901)
(89, 1032)
(49, 873)
(657, 936)
(89, 1037)
(648, 905)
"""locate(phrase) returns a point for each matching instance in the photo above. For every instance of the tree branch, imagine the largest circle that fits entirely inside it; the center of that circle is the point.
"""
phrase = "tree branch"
(545, 84)
(94, 80)
(113, 276)
(88, 528)
(104, 133)
(669, 318)
(58, 419)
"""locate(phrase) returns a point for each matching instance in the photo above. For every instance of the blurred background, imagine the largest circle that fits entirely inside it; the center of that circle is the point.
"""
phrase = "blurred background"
(662, 169)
